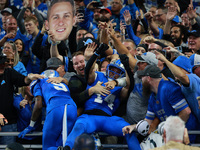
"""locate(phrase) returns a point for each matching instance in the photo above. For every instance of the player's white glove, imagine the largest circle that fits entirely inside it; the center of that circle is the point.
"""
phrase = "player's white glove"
(142, 127)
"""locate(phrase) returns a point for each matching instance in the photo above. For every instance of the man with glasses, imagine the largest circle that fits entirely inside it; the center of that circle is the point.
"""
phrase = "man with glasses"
(160, 16)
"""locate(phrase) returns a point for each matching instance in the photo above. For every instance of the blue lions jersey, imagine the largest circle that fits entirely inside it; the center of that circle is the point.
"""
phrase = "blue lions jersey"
(168, 101)
(108, 103)
(53, 94)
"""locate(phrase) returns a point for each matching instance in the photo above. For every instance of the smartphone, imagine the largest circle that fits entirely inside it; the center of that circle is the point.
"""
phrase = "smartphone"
(81, 10)
(97, 4)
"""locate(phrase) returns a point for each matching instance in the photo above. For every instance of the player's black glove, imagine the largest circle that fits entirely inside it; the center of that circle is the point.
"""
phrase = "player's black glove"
(124, 59)
(101, 49)
(63, 148)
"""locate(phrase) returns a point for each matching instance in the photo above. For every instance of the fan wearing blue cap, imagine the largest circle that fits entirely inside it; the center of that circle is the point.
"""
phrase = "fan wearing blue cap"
(190, 83)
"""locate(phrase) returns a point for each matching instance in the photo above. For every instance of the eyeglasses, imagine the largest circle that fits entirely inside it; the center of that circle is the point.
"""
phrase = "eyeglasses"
(158, 15)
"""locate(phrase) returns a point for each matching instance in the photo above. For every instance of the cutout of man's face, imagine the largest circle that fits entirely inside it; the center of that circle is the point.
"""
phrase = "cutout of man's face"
(61, 20)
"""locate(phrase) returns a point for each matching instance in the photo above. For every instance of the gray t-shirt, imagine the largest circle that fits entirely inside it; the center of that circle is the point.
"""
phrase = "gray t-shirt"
(137, 103)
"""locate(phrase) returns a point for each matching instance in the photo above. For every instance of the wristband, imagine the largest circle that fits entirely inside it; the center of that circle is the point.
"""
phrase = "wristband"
(116, 82)
(96, 54)
(121, 82)
(32, 123)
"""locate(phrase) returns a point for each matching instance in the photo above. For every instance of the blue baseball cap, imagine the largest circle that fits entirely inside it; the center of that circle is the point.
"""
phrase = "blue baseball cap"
(177, 19)
(184, 63)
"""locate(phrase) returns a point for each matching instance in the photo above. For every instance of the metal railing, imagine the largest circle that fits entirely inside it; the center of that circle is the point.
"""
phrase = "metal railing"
(103, 146)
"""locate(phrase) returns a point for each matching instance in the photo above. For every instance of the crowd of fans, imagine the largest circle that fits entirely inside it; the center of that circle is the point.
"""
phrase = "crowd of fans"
(157, 41)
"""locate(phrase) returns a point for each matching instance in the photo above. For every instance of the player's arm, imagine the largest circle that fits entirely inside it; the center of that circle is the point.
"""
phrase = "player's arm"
(129, 77)
(37, 108)
(142, 127)
(35, 115)
(89, 69)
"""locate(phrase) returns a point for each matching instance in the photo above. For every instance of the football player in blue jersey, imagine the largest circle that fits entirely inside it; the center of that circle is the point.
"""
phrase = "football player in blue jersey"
(166, 99)
(61, 111)
(99, 108)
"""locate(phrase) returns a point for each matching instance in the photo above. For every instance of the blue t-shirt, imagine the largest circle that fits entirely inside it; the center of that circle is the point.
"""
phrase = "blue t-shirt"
(108, 103)
(20, 68)
(191, 93)
(168, 101)
(53, 94)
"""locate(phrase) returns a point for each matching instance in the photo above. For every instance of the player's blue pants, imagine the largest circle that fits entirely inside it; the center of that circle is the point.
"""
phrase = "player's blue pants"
(58, 124)
(94, 123)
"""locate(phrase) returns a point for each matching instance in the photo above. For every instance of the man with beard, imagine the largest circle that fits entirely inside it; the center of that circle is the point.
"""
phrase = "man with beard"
(178, 36)
(166, 99)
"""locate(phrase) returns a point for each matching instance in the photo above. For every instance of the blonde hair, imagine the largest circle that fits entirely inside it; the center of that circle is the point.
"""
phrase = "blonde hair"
(16, 55)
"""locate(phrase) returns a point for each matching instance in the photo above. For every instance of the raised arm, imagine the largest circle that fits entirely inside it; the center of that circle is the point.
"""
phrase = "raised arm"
(54, 46)
(121, 49)
(172, 12)
(177, 71)
(152, 24)
(129, 77)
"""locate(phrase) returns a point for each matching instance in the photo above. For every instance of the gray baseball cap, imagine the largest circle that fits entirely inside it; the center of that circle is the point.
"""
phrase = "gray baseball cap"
(151, 70)
(53, 62)
(148, 57)
(8, 10)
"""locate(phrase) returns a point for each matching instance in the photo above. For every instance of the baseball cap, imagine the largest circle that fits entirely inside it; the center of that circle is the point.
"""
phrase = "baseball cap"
(8, 10)
(3, 58)
(144, 46)
(82, 44)
(150, 70)
(84, 141)
(195, 33)
(184, 63)
(53, 62)
(106, 9)
(177, 19)
(195, 60)
(147, 57)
